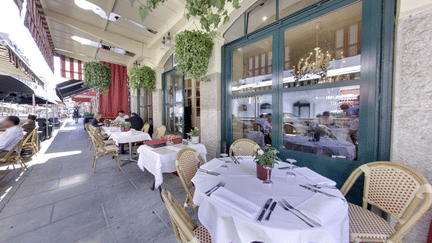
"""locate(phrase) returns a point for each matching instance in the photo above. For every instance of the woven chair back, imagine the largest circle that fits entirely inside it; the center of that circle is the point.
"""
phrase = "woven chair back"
(247, 147)
(159, 132)
(182, 223)
(146, 127)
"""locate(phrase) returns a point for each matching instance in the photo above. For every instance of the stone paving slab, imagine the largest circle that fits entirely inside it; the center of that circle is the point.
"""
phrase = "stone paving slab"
(62, 200)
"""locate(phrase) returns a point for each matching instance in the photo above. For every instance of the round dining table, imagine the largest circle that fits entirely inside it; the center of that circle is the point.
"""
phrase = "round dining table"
(231, 213)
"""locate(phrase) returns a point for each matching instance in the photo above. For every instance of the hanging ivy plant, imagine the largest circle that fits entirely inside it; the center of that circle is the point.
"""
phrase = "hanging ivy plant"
(192, 51)
(142, 78)
(209, 12)
(97, 77)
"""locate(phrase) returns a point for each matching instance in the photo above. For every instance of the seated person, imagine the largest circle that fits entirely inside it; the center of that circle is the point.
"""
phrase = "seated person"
(30, 125)
(136, 122)
(325, 119)
(96, 121)
(121, 117)
(12, 135)
(264, 121)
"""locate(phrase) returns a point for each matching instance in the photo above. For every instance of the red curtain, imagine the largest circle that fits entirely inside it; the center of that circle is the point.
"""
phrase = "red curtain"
(117, 97)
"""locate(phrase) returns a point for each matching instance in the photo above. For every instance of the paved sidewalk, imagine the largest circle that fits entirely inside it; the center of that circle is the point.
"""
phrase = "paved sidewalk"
(62, 200)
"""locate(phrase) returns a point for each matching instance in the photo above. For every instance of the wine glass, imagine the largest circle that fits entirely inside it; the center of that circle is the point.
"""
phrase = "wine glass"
(239, 150)
(268, 180)
(224, 156)
(290, 175)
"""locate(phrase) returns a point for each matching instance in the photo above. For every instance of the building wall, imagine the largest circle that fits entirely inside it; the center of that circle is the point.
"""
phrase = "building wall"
(412, 97)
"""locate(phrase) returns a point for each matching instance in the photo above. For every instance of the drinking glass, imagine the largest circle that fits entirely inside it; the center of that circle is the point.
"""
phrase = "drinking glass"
(290, 175)
(268, 179)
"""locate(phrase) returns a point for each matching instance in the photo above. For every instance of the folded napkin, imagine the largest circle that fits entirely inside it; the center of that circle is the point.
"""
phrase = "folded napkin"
(236, 202)
(314, 177)
(212, 165)
(321, 207)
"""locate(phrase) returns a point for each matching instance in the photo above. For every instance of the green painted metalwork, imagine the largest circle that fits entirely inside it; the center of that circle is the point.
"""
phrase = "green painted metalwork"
(376, 86)
(165, 103)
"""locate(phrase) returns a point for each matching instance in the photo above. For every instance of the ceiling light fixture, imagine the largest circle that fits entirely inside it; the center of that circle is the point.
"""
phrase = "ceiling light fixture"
(167, 41)
(264, 18)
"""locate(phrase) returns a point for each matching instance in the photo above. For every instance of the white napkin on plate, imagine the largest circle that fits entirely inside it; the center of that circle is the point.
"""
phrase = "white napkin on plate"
(314, 177)
(236, 202)
(321, 207)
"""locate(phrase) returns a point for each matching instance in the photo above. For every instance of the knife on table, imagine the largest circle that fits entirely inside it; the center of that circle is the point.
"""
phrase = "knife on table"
(209, 172)
(266, 206)
(271, 210)
(318, 191)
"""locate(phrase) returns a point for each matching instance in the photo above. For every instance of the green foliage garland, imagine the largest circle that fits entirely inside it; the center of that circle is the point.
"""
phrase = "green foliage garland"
(97, 77)
(209, 12)
(142, 78)
(193, 50)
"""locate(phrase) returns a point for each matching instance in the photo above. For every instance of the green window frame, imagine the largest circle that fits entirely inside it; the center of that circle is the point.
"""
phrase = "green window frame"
(166, 104)
(376, 85)
(148, 104)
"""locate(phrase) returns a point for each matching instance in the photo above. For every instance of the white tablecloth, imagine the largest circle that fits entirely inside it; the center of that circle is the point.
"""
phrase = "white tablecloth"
(255, 136)
(162, 160)
(228, 225)
(129, 137)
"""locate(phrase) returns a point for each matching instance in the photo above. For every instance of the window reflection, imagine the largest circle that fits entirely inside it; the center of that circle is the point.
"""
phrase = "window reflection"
(252, 67)
(287, 7)
(175, 118)
(262, 13)
(324, 50)
(252, 118)
(322, 121)
(169, 89)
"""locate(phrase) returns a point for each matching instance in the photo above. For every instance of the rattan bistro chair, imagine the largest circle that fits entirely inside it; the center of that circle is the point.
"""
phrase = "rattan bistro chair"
(14, 157)
(97, 133)
(102, 149)
(30, 141)
(246, 146)
(185, 229)
(159, 132)
(187, 166)
(398, 190)
(146, 127)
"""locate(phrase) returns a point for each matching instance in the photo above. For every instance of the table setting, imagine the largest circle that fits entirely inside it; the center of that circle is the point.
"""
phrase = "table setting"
(236, 206)
(162, 160)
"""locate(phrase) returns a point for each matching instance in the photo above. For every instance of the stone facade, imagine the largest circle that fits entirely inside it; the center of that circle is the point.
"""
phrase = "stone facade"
(412, 102)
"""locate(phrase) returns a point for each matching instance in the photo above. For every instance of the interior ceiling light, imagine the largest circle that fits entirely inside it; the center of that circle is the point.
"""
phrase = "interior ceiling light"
(85, 41)
(86, 5)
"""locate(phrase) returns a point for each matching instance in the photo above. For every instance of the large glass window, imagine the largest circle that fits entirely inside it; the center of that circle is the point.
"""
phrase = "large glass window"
(322, 121)
(287, 7)
(252, 67)
(252, 118)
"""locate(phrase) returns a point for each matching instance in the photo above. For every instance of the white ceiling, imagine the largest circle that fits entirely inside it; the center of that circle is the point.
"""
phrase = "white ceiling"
(66, 19)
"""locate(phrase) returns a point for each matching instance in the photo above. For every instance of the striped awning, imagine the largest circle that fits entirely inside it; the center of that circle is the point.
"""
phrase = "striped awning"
(71, 68)
(36, 22)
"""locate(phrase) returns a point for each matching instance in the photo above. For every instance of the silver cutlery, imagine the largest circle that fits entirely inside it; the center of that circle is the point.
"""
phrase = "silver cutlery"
(220, 184)
(271, 211)
(209, 172)
(319, 186)
(298, 211)
(318, 191)
(286, 209)
(266, 206)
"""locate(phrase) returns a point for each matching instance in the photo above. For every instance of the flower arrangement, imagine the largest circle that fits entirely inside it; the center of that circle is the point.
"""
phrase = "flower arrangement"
(266, 156)
(194, 132)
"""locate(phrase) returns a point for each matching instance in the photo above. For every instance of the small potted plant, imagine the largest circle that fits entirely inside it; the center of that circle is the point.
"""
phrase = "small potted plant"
(265, 159)
(194, 133)
(107, 122)
(125, 127)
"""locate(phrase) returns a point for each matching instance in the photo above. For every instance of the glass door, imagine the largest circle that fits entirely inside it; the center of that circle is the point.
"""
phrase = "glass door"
(173, 82)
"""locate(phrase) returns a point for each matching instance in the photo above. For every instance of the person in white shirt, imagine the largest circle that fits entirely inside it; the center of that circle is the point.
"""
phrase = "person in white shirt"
(326, 119)
(121, 117)
(11, 136)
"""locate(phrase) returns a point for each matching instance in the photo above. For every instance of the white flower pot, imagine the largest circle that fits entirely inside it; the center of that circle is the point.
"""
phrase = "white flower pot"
(195, 140)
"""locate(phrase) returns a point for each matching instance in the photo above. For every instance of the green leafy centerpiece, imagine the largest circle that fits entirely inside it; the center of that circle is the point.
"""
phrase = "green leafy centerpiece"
(125, 127)
(194, 133)
(265, 159)
(107, 122)
(142, 78)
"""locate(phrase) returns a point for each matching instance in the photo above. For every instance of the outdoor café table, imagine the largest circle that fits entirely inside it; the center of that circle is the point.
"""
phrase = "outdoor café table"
(227, 223)
(162, 160)
(130, 137)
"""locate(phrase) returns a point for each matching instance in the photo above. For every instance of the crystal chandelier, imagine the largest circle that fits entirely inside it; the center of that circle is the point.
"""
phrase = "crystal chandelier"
(316, 63)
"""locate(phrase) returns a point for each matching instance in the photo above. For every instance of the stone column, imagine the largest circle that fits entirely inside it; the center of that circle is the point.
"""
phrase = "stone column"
(157, 99)
(211, 103)
(411, 120)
